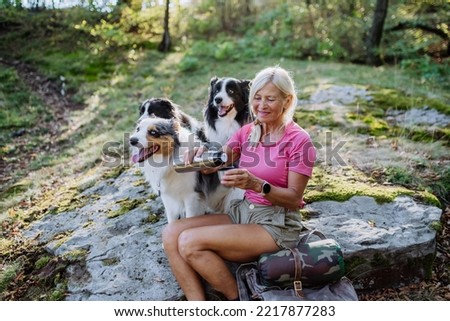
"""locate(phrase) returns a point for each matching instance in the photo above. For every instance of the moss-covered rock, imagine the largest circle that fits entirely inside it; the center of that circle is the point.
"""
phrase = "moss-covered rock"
(326, 185)
(125, 205)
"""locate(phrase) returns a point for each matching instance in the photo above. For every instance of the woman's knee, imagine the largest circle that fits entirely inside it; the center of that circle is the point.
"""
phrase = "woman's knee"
(188, 246)
(170, 235)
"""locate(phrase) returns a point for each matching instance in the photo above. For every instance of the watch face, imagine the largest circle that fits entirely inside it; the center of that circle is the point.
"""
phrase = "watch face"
(266, 188)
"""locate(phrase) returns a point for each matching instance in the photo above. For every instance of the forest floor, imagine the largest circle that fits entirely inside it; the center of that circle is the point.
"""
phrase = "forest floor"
(437, 288)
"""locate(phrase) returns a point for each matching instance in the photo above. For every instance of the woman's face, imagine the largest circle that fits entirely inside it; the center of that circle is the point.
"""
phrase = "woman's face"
(269, 103)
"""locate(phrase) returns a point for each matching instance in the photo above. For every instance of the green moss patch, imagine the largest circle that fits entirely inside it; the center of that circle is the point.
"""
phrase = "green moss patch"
(153, 218)
(67, 198)
(76, 255)
(125, 205)
(114, 172)
(387, 98)
(309, 118)
(331, 187)
(111, 261)
(16, 189)
(371, 114)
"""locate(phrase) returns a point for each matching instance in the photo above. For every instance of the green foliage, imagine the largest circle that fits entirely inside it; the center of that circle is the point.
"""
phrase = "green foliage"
(228, 30)
(225, 51)
(428, 70)
(8, 4)
(400, 176)
(7, 275)
(189, 63)
(51, 40)
(41, 262)
(203, 21)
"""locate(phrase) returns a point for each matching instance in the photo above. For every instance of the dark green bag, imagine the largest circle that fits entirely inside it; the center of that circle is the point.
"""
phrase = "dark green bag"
(309, 264)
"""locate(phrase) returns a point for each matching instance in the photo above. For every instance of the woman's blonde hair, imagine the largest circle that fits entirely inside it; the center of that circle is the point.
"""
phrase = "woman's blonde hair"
(281, 79)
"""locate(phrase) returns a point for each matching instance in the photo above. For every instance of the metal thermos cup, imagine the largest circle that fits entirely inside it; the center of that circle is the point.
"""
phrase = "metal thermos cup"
(207, 160)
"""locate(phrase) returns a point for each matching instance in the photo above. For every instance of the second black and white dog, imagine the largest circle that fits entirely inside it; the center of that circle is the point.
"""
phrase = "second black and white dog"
(227, 108)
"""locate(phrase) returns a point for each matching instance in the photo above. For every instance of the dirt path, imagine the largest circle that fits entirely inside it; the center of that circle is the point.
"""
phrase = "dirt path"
(58, 104)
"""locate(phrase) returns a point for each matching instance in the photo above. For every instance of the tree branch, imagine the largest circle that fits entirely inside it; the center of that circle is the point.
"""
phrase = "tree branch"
(417, 25)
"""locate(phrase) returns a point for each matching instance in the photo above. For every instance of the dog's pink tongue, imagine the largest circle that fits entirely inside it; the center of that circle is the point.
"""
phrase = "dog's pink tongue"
(222, 111)
(137, 156)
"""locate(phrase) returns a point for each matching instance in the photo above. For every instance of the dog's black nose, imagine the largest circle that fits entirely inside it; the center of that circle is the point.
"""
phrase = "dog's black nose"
(218, 100)
(134, 141)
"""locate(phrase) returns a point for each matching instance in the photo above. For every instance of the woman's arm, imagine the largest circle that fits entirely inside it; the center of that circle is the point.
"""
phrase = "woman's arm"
(289, 197)
(232, 155)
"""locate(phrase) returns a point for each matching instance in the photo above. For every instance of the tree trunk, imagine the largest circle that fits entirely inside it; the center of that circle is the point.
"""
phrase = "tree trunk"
(165, 44)
(247, 11)
(376, 32)
(222, 4)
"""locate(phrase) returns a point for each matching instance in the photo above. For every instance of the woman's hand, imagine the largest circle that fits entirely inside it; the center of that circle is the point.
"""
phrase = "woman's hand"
(197, 152)
(189, 155)
(241, 178)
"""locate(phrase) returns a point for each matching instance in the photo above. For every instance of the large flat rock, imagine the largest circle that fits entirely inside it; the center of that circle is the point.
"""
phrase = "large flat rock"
(124, 256)
(384, 244)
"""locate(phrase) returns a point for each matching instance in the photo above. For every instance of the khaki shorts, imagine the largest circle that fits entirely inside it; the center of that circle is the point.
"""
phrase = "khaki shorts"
(282, 224)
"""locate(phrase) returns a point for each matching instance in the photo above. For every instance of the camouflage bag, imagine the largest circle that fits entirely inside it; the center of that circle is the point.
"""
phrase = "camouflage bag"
(251, 289)
(309, 264)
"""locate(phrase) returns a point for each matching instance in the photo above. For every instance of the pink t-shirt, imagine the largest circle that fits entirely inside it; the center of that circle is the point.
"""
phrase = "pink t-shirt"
(293, 152)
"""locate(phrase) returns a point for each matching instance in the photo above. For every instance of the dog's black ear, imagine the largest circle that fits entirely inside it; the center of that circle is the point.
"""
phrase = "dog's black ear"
(213, 80)
(245, 84)
(245, 87)
(142, 107)
(167, 104)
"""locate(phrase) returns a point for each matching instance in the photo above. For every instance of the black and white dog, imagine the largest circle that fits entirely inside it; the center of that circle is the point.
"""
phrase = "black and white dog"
(165, 108)
(156, 144)
(227, 109)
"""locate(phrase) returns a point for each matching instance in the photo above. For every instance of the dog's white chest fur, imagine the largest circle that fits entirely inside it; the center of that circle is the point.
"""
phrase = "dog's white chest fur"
(177, 191)
(225, 128)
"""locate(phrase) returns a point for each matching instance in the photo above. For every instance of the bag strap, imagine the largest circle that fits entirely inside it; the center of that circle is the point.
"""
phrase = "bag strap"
(305, 238)
(298, 288)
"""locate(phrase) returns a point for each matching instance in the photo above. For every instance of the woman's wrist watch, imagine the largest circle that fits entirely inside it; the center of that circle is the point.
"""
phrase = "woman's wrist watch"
(265, 188)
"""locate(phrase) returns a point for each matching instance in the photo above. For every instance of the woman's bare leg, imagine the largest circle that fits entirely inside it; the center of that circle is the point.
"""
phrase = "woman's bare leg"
(187, 277)
(206, 248)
